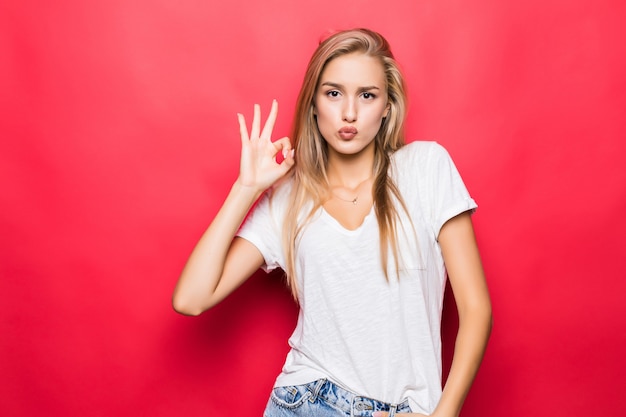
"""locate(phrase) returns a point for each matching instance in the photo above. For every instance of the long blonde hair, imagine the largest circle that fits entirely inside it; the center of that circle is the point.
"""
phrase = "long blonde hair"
(310, 181)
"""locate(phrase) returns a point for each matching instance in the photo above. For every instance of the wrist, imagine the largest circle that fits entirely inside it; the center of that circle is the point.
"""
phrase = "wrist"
(442, 411)
(244, 190)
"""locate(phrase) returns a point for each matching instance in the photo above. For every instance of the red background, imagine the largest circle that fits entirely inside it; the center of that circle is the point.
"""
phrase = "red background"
(119, 141)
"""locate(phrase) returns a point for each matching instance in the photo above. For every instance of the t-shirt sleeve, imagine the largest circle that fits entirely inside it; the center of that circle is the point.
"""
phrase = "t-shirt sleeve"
(447, 192)
(262, 230)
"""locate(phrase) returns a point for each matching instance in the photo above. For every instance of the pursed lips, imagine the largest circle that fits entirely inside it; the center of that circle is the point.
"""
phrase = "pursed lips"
(348, 132)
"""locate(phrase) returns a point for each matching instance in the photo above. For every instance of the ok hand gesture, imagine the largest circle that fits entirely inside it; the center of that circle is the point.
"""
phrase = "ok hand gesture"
(259, 168)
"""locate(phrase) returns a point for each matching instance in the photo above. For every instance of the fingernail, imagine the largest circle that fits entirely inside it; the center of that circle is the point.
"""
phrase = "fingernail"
(293, 153)
(377, 414)
(285, 153)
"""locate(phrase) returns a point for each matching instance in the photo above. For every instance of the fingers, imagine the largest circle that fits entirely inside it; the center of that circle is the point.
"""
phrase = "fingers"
(283, 145)
(256, 122)
(243, 130)
(256, 132)
(288, 160)
(271, 119)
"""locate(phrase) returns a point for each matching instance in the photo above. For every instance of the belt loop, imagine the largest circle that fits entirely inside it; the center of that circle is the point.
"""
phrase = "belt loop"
(392, 410)
(352, 405)
(316, 388)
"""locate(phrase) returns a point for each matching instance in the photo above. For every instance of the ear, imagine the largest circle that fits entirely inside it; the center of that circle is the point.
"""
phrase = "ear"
(387, 108)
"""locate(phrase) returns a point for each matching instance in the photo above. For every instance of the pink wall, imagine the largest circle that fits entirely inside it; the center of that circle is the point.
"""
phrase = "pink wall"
(118, 141)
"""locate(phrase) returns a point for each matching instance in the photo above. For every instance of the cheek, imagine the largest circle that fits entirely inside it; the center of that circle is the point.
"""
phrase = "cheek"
(375, 116)
(325, 110)
(321, 120)
(324, 116)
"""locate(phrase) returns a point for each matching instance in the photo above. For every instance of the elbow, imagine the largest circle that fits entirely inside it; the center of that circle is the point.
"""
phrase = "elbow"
(186, 311)
(478, 314)
(184, 307)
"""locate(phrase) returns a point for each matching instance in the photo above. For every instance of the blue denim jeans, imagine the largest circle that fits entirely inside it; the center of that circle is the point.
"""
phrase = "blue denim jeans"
(322, 398)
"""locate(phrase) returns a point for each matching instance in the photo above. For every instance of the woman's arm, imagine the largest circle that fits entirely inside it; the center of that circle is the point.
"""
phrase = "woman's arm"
(467, 279)
(220, 262)
(465, 272)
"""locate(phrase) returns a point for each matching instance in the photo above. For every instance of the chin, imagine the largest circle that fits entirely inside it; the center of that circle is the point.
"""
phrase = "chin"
(350, 149)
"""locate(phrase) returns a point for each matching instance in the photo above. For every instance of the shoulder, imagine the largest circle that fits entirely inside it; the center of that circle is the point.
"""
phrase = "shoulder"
(281, 190)
(273, 202)
(419, 154)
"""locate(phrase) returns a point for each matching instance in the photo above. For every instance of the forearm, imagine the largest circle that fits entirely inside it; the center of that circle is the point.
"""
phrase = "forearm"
(471, 342)
(202, 272)
(467, 279)
(219, 263)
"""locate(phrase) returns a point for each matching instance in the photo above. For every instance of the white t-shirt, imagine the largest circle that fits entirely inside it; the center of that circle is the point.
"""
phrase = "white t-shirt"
(374, 337)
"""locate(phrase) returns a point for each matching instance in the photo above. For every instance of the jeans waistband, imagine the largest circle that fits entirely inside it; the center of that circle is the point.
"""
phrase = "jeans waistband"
(355, 405)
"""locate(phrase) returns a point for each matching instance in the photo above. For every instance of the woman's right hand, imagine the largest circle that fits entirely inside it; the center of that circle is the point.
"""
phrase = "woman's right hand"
(259, 168)
(219, 263)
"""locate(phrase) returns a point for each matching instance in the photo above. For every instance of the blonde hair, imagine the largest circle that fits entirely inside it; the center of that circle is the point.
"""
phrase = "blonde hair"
(310, 181)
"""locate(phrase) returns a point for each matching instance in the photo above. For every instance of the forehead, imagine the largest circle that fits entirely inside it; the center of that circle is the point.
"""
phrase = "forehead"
(354, 69)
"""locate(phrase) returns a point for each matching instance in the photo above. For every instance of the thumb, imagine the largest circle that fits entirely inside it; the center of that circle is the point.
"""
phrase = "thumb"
(289, 157)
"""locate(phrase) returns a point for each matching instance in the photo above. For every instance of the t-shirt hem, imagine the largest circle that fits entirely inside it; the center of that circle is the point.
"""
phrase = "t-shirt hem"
(269, 264)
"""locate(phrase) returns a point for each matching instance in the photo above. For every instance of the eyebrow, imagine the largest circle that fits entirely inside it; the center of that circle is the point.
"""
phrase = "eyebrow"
(335, 85)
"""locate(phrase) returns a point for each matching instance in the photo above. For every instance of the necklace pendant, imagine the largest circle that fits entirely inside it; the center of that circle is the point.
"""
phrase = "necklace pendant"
(354, 201)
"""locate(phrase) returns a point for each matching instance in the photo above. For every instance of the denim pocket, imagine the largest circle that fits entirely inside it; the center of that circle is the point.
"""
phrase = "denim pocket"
(291, 396)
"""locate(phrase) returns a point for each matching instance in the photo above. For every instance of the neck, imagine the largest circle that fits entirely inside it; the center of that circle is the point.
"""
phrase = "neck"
(350, 170)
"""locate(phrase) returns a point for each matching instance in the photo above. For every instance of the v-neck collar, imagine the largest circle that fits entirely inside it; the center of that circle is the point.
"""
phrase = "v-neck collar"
(337, 225)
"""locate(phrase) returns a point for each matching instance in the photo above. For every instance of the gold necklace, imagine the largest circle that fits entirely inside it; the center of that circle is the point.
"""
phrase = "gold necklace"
(355, 200)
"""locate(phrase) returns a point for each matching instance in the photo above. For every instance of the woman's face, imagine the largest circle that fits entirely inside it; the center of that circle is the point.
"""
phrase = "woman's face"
(350, 102)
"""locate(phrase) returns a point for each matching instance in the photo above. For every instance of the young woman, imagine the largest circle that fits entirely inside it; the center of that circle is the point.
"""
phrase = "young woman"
(366, 229)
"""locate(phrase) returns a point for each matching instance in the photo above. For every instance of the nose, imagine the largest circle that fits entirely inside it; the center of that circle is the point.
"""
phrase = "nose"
(349, 111)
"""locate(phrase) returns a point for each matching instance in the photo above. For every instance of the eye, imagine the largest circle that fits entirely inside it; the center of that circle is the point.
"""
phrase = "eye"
(332, 93)
(368, 96)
